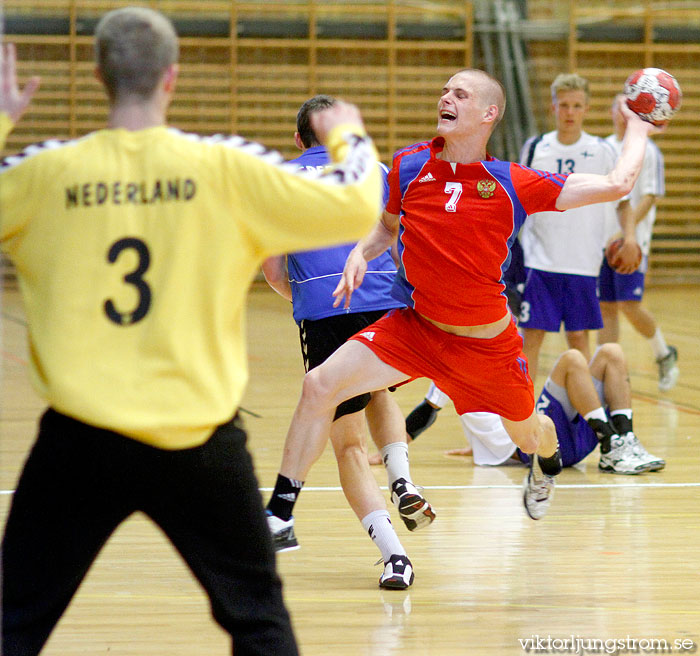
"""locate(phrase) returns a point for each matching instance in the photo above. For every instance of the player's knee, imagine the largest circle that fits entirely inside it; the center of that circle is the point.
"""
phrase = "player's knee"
(316, 389)
(613, 353)
(350, 448)
(528, 442)
(573, 359)
(548, 431)
(526, 436)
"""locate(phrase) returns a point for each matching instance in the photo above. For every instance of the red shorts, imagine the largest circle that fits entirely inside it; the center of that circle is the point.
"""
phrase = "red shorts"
(479, 375)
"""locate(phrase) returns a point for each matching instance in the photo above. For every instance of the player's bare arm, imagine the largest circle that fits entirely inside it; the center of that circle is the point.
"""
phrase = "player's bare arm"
(382, 237)
(275, 271)
(13, 101)
(588, 188)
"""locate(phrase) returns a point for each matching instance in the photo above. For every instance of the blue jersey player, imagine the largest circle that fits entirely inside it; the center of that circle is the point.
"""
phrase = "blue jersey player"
(308, 279)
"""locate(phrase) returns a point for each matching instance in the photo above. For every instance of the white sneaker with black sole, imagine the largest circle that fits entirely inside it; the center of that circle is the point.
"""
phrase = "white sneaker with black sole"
(283, 538)
(398, 573)
(414, 509)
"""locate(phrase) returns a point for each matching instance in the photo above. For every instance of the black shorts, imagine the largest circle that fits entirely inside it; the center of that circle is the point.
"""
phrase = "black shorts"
(322, 337)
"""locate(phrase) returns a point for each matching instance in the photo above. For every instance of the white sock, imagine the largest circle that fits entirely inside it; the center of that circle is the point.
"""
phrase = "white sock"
(381, 530)
(658, 345)
(598, 413)
(395, 458)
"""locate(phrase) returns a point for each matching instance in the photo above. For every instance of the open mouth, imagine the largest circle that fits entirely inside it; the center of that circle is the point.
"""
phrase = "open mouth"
(447, 115)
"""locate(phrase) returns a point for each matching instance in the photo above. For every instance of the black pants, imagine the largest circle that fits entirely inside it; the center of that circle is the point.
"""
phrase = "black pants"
(80, 482)
(320, 338)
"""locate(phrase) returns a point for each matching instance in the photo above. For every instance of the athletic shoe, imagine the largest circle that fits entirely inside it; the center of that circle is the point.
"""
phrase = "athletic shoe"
(283, 538)
(398, 573)
(652, 462)
(621, 459)
(414, 510)
(668, 370)
(538, 490)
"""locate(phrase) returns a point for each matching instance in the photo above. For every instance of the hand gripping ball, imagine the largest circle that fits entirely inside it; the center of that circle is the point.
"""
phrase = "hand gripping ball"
(653, 94)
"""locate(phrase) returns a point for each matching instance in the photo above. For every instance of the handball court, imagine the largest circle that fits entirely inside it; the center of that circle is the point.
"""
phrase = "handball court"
(616, 558)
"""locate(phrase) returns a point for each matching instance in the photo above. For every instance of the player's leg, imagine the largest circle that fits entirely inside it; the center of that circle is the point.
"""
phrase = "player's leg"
(572, 383)
(537, 435)
(207, 502)
(532, 343)
(366, 500)
(387, 426)
(610, 332)
(421, 418)
(641, 319)
(579, 340)
(69, 499)
(666, 356)
(608, 297)
(359, 486)
(609, 365)
(318, 339)
(352, 370)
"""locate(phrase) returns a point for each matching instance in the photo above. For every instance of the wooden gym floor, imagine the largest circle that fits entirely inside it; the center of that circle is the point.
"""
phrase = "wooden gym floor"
(616, 558)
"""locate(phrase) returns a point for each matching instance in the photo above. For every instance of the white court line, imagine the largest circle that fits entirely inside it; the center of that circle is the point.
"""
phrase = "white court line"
(513, 486)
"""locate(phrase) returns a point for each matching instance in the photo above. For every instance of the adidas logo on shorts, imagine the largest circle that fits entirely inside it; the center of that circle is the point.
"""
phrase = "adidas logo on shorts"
(368, 335)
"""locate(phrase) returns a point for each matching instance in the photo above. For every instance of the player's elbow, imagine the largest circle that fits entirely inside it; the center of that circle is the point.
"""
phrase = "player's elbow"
(622, 187)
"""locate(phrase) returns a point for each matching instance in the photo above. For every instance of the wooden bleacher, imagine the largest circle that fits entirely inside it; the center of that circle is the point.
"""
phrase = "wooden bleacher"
(390, 58)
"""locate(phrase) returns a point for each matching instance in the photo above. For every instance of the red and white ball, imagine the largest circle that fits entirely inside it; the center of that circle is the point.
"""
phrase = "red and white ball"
(653, 94)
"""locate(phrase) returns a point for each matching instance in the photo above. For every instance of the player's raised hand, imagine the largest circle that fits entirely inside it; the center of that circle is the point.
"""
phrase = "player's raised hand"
(13, 101)
(631, 116)
(352, 277)
(322, 122)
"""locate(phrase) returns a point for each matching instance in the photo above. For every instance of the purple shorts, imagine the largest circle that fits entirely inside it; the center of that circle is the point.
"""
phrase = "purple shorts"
(621, 287)
(552, 298)
(576, 437)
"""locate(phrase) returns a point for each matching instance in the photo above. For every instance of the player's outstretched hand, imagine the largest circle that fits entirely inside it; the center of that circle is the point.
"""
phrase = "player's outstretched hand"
(464, 452)
(13, 101)
(352, 277)
(322, 122)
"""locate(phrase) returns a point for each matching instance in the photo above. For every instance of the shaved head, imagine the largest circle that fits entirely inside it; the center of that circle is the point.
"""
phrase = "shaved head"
(491, 90)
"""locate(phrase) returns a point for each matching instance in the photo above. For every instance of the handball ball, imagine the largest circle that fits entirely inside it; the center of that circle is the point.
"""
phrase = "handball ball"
(653, 94)
(611, 254)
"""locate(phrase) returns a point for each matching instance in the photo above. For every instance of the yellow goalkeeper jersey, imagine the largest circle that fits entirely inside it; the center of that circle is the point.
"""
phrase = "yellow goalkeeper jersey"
(135, 250)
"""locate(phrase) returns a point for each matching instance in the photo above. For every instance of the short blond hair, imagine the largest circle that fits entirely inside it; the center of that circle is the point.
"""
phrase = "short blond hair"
(133, 48)
(569, 82)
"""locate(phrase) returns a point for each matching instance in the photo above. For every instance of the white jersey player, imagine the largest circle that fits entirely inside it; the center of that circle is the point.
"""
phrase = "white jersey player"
(563, 251)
